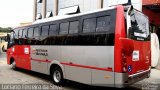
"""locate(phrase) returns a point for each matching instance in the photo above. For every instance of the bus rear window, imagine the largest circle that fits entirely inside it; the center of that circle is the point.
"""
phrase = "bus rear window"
(140, 26)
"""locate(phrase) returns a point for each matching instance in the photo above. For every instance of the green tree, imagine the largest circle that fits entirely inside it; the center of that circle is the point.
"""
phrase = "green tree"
(5, 30)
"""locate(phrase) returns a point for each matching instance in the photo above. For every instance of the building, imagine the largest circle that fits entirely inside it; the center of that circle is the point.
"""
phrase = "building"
(25, 23)
(50, 8)
(152, 9)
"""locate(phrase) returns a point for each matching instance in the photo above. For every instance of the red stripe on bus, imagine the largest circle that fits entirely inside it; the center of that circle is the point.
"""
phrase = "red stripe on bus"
(48, 61)
(77, 65)
(90, 67)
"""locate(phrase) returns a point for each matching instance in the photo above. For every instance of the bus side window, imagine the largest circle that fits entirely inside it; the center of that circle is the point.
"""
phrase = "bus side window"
(52, 30)
(73, 28)
(45, 30)
(44, 35)
(30, 32)
(64, 28)
(20, 34)
(36, 32)
(25, 33)
(103, 23)
(36, 35)
(89, 25)
(16, 33)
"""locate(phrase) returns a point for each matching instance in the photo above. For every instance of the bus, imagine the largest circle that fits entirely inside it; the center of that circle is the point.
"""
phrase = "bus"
(107, 47)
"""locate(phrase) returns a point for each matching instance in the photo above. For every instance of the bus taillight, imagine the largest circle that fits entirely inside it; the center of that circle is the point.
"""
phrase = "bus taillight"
(124, 63)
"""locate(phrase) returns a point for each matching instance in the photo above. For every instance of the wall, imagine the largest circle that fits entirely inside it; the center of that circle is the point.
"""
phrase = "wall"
(85, 5)
(149, 2)
(154, 18)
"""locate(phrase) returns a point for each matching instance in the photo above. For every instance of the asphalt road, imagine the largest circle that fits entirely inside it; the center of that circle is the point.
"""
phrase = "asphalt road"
(28, 80)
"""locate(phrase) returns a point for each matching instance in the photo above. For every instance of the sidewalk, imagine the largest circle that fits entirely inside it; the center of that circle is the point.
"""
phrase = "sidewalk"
(2, 56)
(158, 66)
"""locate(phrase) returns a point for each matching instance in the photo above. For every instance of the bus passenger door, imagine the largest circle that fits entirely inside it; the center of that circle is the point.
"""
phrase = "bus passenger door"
(26, 57)
(22, 54)
(18, 52)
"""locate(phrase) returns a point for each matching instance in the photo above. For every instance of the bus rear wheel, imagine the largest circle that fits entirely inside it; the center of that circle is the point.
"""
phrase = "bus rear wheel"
(57, 76)
(13, 65)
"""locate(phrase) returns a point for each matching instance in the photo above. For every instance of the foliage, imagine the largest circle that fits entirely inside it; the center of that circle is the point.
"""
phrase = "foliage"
(7, 30)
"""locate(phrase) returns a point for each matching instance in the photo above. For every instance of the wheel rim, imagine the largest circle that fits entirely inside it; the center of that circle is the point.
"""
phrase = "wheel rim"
(57, 76)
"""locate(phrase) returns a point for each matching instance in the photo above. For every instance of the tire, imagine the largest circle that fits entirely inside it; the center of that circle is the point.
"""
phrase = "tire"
(13, 65)
(57, 76)
(148, 76)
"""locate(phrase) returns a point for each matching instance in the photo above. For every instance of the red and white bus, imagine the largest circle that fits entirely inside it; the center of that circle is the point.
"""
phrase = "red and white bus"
(107, 47)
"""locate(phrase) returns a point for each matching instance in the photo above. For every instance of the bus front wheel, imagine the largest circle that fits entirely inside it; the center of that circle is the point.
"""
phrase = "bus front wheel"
(57, 76)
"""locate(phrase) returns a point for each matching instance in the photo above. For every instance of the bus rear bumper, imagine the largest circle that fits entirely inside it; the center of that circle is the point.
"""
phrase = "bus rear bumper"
(124, 80)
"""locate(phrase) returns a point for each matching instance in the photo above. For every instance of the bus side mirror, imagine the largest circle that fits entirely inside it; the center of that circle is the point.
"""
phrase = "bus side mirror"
(4, 49)
(127, 45)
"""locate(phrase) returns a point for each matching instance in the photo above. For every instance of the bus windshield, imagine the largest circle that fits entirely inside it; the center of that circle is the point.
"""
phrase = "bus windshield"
(139, 26)
(11, 40)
